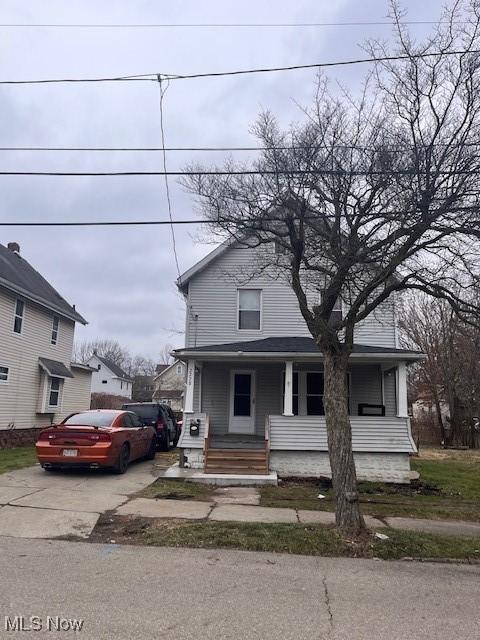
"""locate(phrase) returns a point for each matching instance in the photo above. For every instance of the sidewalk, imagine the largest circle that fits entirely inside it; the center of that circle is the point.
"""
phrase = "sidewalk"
(240, 504)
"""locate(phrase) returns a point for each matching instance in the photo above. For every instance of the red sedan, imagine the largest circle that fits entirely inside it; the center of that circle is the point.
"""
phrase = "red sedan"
(97, 438)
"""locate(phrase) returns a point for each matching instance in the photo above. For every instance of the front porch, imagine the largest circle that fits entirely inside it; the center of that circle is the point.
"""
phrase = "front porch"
(260, 412)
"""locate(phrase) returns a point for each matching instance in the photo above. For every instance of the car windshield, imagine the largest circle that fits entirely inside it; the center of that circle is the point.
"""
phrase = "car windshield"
(92, 419)
(146, 411)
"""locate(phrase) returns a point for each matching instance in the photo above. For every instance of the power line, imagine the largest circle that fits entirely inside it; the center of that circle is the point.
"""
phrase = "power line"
(212, 25)
(106, 223)
(153, 77)
(253, 172)
(162, 92)
(125, 223)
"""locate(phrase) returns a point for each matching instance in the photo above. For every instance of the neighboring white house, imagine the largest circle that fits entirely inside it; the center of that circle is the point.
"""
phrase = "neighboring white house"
(170, 385)
(38, 382)
(109, 378)
(255, 378)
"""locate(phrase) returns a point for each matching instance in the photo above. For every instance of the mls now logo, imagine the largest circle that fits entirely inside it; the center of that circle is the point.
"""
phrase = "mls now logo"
(36, 623)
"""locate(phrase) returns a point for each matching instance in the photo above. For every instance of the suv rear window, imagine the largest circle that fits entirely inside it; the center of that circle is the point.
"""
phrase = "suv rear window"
(144, 411)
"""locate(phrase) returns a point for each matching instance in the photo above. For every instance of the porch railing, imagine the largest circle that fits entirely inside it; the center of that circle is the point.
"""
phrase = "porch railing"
(369, 434)
(267, 440)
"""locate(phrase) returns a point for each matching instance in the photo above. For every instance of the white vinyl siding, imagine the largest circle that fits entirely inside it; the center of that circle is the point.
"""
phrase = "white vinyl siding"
(212, 304)
(19, 398)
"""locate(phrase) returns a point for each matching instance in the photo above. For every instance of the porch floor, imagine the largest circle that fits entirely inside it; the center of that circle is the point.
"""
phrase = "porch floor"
(237, 441)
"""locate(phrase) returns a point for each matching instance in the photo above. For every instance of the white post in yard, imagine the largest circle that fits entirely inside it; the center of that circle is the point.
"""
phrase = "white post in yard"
(288, 391)
(402, 406)
(189, 387)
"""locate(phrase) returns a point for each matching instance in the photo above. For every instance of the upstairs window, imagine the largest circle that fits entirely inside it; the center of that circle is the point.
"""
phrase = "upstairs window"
(337, 312)
(55, 325)
(19, 315)
(249, 309)
(4, 371)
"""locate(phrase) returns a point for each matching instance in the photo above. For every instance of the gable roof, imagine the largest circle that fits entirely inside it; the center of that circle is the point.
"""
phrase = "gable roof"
(117, 371)
(165, 368)
(17, 275)
(185, 278)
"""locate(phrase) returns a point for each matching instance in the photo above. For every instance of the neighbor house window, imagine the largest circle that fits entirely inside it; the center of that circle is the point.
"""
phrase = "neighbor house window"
(19, 315)
(179, 368)
(4, 371)
(104, 381)
(54, 393)
(249, 309)
(55, 325)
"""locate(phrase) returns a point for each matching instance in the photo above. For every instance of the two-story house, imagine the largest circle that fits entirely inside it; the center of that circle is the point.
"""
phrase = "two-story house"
(170, 384)
(109, 377)
(38, 382)
(254, 383)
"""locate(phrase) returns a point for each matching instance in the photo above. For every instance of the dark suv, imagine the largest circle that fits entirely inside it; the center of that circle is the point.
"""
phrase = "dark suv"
(161, 417)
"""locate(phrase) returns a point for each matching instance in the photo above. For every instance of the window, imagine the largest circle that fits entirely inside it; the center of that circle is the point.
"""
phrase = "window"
(249, 303)
(19, 314)
(54, 393)
(99, 367)
(280, 249)
(121, 384)
(179, 369)
(104, 381)
(314, 393)
(55, 325)
(4, 371)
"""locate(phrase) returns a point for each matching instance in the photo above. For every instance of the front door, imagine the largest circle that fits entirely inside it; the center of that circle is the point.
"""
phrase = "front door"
(242, 402)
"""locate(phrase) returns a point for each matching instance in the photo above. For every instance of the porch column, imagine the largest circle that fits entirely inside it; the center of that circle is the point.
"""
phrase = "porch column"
(402, 405)
(189, 386)
(288, 391)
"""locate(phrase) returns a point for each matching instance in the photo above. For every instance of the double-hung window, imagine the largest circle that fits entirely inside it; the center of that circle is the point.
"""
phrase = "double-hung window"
(55, 326)
(54, 392)
(19, 315)
(249, 309)
(4, 372)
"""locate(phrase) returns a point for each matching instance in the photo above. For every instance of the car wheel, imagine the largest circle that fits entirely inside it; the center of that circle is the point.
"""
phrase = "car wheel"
(123, 459)
(151, 450)
(165, 441)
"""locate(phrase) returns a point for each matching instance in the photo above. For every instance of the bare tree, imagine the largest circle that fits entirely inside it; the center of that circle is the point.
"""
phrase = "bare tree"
(451, 371)
(165, 356)
(367, 197)
(106, 348)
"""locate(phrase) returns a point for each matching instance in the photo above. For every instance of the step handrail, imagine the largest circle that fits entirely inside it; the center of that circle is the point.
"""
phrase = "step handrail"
(206, 438)
(267, 442)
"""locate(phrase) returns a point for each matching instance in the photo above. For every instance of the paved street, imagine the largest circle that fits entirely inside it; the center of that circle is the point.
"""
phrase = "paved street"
(137, 592)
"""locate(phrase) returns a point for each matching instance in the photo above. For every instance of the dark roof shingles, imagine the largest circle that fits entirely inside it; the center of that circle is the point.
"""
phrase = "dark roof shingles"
(17, 272)
(114, 368)
(285, 345)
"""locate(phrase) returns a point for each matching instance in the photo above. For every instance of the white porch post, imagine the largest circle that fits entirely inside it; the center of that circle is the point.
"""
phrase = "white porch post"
(402, 406)
(288, 390)
(189, 387)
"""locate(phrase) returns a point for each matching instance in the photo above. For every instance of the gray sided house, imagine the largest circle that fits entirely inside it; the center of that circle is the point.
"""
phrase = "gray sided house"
(39, 384)
(170, 385)
(254, 384)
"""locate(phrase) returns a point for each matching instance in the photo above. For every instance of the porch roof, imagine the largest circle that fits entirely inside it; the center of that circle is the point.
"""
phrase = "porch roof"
(289, 347)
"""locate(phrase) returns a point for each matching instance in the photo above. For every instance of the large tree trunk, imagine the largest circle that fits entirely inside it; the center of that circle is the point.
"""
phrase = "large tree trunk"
(339, 433)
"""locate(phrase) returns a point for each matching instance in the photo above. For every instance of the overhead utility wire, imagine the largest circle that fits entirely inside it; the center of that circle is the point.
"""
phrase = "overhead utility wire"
(153, 77)
(162, 92)
(125, 223)
(267, 172)
(235, 25)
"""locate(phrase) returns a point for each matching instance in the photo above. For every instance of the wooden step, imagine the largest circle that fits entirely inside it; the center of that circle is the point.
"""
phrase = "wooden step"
(247, 471)
(239, 456)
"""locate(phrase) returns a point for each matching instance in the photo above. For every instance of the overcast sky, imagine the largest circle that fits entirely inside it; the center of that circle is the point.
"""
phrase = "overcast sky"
(122, 279)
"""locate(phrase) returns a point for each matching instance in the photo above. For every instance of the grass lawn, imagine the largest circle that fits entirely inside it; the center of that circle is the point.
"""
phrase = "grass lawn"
(312, 540)
(176, 490)
(449, 488)
(11, 459)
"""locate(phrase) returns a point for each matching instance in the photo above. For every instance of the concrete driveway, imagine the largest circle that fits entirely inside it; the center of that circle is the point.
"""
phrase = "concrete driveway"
(38, 504)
